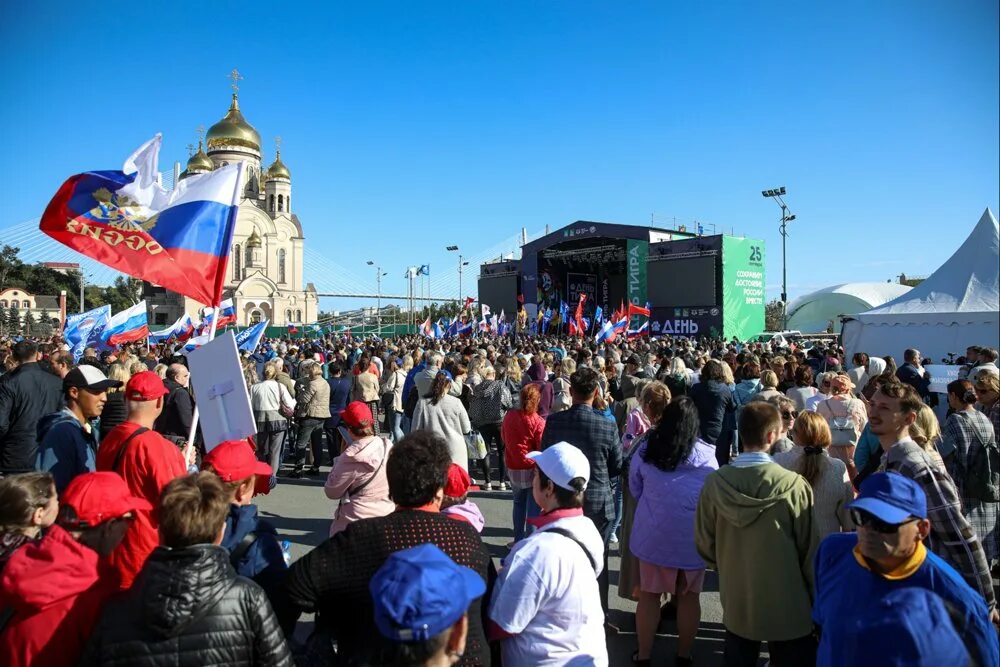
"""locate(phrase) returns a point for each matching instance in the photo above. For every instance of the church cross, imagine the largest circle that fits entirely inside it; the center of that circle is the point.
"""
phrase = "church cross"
(235, 76)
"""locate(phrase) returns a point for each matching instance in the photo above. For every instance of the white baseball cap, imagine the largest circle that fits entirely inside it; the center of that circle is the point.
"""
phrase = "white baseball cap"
(562, 463)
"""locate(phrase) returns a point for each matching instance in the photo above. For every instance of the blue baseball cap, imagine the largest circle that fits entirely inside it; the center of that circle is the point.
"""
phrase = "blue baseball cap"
(891, 497)
(909, 627)
(421, 592)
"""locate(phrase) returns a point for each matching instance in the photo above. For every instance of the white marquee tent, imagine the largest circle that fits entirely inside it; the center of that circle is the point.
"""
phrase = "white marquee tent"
(816, 311)
(957, 306)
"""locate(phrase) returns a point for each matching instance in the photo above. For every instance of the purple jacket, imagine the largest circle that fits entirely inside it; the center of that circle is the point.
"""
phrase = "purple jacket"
(663, 529)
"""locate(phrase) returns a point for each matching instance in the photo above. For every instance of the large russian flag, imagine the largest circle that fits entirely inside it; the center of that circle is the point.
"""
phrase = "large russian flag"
(178, 239)
(127, 326)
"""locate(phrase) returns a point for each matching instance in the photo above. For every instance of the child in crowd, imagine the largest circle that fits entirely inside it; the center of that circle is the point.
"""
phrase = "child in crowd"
(28, 505)
(254, 549)
(456, 503)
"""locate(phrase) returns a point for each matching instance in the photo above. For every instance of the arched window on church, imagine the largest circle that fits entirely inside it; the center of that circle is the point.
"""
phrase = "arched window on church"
(3, 303)
(248, 259)
(288, 316)
(26, 304)
(270, 203)
(288, 203)
(281, 203)
(281, 265)
(237, 261)
(298, 315)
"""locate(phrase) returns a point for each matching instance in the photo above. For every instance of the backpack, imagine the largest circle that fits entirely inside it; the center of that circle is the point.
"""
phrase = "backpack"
(843, 429)
(982, 481)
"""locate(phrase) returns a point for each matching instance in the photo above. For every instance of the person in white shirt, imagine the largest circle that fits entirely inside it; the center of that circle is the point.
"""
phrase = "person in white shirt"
(824, 381)
(546, 606)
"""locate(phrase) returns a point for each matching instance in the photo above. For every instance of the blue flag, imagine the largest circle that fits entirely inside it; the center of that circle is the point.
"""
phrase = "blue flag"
(598, 316)
(563, 312)
(249, 338)
(85, 329)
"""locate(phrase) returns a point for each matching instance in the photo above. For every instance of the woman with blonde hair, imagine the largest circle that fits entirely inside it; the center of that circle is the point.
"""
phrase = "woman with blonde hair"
(846, 416)
(831, 485)
(161, 370)
(926, 432)
(561, 399)
(768, 386)
(271, 402)
(115, 412)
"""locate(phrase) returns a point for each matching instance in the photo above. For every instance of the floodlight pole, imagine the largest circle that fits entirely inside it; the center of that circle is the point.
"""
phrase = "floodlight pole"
(776, 194)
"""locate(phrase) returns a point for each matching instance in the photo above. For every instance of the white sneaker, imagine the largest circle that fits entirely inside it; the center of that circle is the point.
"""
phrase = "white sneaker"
(614, 539)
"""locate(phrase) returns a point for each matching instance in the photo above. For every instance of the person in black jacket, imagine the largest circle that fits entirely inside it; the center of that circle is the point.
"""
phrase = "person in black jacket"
(716, 408)
(178, 407)
(332, 579)
(913, 374)
(26, 394)
(188, 606)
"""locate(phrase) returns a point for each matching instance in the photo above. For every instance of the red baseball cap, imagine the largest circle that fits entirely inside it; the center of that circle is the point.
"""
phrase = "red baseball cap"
(458, 482)
(145, 386)
(234, 461)
(357, 414)
(96, 497)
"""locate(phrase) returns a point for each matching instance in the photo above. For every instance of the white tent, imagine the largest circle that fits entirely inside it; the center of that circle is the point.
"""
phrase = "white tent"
(957, 306)
(816, 311)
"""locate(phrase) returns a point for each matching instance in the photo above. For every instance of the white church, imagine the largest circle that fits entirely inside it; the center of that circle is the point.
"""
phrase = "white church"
(266, 265)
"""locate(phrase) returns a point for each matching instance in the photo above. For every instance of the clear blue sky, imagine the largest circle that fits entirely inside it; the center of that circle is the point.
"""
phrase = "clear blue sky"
(411, 125)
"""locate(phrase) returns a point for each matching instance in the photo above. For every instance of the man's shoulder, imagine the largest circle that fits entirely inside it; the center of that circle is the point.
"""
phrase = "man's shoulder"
(835, 546)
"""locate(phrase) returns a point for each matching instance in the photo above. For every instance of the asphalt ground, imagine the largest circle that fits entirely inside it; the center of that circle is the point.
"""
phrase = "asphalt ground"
(302, 514)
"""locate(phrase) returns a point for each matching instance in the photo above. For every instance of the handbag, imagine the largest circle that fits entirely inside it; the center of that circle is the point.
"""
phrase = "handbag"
(475, 445)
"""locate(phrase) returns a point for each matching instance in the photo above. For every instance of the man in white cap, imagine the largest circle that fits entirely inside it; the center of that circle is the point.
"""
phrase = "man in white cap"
(546, 605)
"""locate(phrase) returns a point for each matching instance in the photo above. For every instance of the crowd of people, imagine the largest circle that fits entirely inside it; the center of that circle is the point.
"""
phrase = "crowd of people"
(849, 516)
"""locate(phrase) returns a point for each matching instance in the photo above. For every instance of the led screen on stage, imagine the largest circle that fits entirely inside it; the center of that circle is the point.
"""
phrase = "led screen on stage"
(499, 294)
(680, 283)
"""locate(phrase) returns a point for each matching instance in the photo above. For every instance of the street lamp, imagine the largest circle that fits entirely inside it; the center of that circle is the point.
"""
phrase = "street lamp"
(776, 194)
(454, 248)
(378, 283)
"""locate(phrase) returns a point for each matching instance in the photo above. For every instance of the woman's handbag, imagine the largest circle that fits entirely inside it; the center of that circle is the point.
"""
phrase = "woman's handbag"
(476, 446)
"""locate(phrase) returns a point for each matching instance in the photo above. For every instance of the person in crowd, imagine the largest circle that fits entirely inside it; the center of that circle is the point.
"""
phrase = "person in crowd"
(831, 485)
(440, 412)
(357, 480)
(522, 431)
(988, 399)
(60, 363)
(716, 407)
(161, 370)
(537, 374)
(189, 607)
(365, 383)
(597, 438)
(987, 364)
(424, 378)
(803, 389)
(546, 605)
(674, 373)
(67, 443)
(966, 439)
(312, 409)
(894, 408)
(652, 402)
(666, 477)
(272, 405)
(28, 505)
(561, 398)
(857, 571)
(282, 376)
(147, 462)
(54, 589)
(491, 399)
(252, 542)
(755, 506)
(332, 579)
(340, 395)
(824, 380)
(27, 393)
(913, 373)
(786, 378)
(421, 599)
(456, 504)
(178, 406)
(115, 411)
(768, 386)
(786, 408)
(926, 432)
(628, 400)
(878, 370)
(392, 398)
(749, 385)
(847, 418)
(634, 424)
(859, 372)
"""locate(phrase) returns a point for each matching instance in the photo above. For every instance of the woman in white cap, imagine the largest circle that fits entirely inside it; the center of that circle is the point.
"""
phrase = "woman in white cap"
(546, 606)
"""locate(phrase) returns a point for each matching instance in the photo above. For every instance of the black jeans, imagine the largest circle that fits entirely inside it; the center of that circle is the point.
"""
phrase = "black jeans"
(603, 526)
(741, 652)
(310, 433)
(491, 435)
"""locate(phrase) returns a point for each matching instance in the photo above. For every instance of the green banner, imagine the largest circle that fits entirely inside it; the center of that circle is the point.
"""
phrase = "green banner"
(742, 287)
(636, 253)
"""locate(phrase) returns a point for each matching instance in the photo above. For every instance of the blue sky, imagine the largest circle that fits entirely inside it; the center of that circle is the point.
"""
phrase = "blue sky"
(409, 126)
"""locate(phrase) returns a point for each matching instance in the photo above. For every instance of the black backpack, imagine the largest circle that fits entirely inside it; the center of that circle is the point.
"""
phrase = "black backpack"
(982, 481)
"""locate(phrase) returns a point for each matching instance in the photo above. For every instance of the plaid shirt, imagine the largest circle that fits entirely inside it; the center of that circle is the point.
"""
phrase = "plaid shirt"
(597, 438)
(952, 536)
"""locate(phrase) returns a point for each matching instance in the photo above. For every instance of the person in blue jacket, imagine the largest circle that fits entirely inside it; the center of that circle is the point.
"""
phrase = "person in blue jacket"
(252, 542)
(67, 442)
(856, 572)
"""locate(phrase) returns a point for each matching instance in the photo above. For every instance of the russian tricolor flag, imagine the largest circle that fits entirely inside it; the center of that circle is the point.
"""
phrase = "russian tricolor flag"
(178, 239)
(127, 326)
(227, 315)
(181, 330)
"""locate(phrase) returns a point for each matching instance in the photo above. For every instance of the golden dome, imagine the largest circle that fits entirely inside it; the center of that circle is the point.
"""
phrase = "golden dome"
(199, 162)
(278, 169)
(233, 130)
(254, 240)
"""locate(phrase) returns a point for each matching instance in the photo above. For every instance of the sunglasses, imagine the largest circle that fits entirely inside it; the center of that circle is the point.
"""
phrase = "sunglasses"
(862, 518)
(789, 414)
